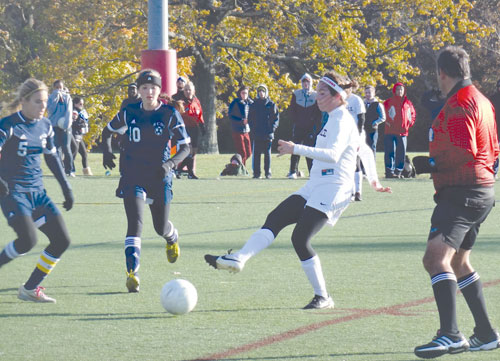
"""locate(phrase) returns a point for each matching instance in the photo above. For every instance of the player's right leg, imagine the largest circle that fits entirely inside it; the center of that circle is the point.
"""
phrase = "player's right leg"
(18, 209)
(286, 213)
(26, 239)
(134, 207)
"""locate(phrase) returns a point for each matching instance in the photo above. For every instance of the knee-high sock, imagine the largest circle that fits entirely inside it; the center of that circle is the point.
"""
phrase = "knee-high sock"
(358, 181)
(314, 272)
(44, 266)
(9, 253)
(472, 289)
(258, 241)
(444, 286)
(132, 253)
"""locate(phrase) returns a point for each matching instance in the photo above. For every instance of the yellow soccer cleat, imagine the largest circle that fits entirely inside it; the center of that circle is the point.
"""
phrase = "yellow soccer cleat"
(132, 282)
(173, 251)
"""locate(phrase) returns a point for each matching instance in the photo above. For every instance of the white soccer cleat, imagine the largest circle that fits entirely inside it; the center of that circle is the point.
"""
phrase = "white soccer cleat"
(225, 262)
(292, 175)
(35, 295)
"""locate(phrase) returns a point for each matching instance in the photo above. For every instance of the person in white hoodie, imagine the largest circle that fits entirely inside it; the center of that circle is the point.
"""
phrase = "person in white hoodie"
(323, 198)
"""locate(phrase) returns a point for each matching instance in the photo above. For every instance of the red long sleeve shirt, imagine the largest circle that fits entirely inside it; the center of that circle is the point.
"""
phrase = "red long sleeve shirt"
(463, 140)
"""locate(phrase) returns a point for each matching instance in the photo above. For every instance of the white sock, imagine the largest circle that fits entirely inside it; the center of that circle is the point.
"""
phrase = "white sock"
(258, 241)
(312, 268)
(358, 181)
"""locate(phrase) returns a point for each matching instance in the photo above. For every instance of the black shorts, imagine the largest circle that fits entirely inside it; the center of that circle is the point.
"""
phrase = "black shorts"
(459, 213)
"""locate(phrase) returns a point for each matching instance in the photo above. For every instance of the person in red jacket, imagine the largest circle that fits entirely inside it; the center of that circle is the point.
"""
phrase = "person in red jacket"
(400, 116)
(463, 146)
(195, 124)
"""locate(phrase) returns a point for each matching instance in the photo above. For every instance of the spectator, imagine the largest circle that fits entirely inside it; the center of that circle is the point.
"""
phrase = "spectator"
(375, 115)
(433, 101)
(80, 127)
(356, 107)
(495, 100)
(60, 113)
(181, 83)
(306, 121)
(263, 119)
(195, 124)
(132, 96)
(235, 167)
(400, 116)
(238, 114)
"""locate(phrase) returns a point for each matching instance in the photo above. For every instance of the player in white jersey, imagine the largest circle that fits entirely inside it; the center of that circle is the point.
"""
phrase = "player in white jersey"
(323, 198)
(357, 108)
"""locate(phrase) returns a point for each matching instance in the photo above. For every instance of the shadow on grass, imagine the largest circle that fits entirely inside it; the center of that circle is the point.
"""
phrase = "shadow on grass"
(391, 356)
(5, 290)
(93, 316)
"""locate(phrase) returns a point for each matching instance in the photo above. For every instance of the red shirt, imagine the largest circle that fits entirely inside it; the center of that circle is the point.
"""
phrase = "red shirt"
(399, 113)
(193, 115)
(463, 140)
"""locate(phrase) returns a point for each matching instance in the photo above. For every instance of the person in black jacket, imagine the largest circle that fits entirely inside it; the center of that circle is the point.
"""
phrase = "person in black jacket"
(263, 119)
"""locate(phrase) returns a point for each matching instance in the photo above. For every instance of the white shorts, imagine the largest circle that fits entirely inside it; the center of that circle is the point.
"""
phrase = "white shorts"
(330, 198)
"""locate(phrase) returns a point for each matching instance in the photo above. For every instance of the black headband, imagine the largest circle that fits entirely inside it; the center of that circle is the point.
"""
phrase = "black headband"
(148, 78)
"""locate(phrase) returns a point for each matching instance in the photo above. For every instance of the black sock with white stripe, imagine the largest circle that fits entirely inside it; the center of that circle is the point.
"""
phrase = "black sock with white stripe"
(472, 289)
(444, 286)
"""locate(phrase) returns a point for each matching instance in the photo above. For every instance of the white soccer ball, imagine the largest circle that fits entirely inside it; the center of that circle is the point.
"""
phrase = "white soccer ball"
(179, 296)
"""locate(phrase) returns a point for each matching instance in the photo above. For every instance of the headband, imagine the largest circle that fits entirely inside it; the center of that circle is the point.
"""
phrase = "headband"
(34, 91)
(148, 78)
(335, 86)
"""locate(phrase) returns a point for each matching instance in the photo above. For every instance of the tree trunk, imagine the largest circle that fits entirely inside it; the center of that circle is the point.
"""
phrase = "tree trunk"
(204, 82)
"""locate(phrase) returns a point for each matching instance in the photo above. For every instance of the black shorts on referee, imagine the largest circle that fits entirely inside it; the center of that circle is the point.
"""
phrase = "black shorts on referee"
(459, 213)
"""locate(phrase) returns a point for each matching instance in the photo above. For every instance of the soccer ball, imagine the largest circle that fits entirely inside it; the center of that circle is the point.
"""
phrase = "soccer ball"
(179, 296)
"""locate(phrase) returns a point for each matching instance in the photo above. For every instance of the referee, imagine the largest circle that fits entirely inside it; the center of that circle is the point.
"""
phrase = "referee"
(463, 146)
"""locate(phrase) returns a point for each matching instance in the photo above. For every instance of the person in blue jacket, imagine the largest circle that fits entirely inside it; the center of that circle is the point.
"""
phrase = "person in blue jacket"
(263, 119)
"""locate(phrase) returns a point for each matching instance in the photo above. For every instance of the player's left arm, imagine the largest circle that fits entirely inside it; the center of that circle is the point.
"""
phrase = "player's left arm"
(55, 165)
(368, 160)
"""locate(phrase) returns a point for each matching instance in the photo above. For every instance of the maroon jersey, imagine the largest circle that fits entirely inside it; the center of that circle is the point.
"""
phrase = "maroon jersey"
(463, 140)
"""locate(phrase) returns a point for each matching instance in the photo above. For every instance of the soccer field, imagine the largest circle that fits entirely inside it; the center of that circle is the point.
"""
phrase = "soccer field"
(371, 259)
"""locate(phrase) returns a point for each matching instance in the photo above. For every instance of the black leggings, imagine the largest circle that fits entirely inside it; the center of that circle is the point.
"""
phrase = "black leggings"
(309, 221)
(79, 146)
(55, 230)
(134, 208)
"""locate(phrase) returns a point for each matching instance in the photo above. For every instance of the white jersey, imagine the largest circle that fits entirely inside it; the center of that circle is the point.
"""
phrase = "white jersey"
(356, 106)
(331, 181)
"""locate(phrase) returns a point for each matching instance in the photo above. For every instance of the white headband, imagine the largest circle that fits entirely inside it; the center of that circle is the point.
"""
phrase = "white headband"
(335, 86)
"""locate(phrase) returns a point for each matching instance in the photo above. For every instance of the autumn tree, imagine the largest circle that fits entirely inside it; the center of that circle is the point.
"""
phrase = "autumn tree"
(95, 45)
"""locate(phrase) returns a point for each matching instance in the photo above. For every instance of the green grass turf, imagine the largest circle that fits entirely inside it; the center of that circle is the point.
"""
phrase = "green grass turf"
(371, 260)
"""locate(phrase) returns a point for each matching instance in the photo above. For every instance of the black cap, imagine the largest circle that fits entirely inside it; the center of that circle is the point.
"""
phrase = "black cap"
(148, 77)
